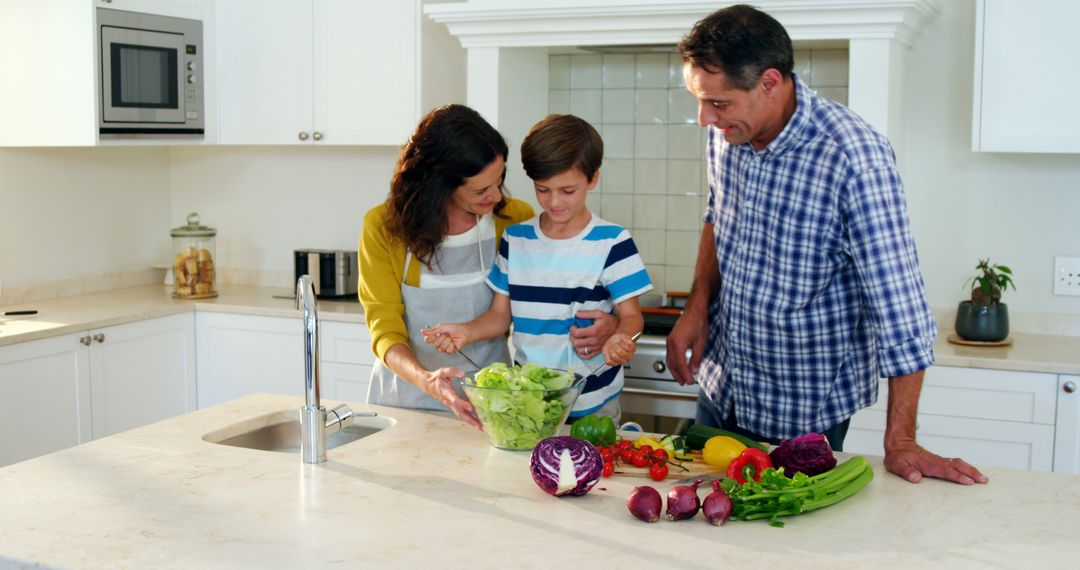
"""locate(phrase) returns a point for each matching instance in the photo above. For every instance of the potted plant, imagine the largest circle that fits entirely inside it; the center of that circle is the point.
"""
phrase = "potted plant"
(985, 318)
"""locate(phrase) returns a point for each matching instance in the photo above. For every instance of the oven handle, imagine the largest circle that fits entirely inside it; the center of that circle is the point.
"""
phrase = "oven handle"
(660, 394)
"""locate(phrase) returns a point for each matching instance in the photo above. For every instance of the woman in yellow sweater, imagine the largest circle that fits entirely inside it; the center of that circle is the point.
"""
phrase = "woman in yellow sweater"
(424, 255)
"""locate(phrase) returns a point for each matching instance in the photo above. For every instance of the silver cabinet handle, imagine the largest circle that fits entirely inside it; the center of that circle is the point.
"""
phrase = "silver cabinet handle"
(86, 340)
(303, 135)
(1069, 387)
(317, 136)
(100, 337)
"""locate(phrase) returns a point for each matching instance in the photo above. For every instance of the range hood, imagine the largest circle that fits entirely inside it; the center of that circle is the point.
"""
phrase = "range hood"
(877, 33)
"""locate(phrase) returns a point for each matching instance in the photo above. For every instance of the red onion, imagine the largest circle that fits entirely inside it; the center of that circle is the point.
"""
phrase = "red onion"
(683, 502)
(717, 506)
(645, 503)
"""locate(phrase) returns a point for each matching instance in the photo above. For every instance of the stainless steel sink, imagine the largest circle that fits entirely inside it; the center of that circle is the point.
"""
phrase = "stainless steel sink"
(281, 433)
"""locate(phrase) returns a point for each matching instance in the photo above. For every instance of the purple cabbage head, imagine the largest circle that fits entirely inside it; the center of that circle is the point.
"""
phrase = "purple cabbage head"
(564, 465)
(809, 453)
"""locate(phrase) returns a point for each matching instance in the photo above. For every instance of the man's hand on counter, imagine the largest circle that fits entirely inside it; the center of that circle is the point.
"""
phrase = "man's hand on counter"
(910, 461)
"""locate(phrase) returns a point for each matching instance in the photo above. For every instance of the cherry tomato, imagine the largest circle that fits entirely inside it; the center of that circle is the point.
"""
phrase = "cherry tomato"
(646, 448)
(639, 459)
(660, 455)
(605, 452)
(658, 471)
(625, 443)
(627, 455)
(609, 468)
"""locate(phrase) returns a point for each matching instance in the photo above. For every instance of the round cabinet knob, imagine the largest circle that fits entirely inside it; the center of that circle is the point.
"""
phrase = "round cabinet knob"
(1069, 387)
(303, 136)
(317, 136)
(85, 340)
(658, 366)
(99, 337)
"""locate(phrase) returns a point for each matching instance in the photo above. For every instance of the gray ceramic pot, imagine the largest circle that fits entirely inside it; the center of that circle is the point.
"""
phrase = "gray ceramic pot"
(987, 323)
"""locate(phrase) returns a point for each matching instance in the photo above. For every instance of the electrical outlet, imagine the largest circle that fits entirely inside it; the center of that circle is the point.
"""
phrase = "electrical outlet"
(1067, 276)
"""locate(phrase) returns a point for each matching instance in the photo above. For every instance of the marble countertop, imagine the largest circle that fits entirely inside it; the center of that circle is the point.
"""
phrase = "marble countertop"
(1028, 353)
(429, 491)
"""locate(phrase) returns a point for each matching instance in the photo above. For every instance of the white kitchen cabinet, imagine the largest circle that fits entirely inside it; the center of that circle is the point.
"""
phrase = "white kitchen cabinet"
(44, 397)
(49, 55)
(65, 390)
(317, 71)
(1018, 46)
(142, 372)
(1067, 435)
(988, 417)
(244, 354)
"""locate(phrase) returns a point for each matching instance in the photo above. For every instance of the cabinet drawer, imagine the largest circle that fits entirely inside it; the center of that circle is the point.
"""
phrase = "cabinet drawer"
(346, 342)
(978, 393)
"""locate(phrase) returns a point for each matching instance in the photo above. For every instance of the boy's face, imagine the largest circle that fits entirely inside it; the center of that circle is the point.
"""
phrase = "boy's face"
(563, 196)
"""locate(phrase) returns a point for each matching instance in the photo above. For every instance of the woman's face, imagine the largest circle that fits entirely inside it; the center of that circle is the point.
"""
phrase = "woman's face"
(479, 194)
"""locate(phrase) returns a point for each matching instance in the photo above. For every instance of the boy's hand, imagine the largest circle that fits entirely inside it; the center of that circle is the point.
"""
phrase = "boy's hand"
(619, 349)
(446, 337)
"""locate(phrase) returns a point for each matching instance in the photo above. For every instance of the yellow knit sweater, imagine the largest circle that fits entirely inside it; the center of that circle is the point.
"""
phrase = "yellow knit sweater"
(382, 265)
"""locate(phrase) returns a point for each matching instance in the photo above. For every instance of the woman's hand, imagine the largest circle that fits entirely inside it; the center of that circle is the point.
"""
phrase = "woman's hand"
(587, 341)
(440, 385)
(446, 337)
(619, 349)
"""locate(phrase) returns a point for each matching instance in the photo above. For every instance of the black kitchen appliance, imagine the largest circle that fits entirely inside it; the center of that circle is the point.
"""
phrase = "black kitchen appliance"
(334, 272)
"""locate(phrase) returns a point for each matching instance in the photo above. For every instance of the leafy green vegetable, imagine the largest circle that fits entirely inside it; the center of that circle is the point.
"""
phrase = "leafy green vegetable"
(520, 405)
(779, 496)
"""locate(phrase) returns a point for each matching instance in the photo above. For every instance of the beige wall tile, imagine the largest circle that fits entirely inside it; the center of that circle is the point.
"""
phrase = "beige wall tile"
(838, 94)
(651, 245)
(678, 277)
(650, 141)
(618, 71)
(650, 212)
(618, 141)
(683, 213)
(559, 101)
(658, 275)
(651, 70)
(802, 64)
(559, 72)
(651, 106)
(650, 176)
(617, 209)
(586, 72)
(682, 107)
(830, 68)
(685, 141)
(684, 177)
(617, 175)
(675, 64)
(618, 106)
(587, 103)
(681, 247)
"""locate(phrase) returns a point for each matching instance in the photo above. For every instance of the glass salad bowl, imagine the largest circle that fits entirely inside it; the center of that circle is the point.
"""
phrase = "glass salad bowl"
(519, 406)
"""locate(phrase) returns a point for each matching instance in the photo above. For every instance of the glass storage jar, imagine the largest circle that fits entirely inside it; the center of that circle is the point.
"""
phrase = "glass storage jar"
(193, 261)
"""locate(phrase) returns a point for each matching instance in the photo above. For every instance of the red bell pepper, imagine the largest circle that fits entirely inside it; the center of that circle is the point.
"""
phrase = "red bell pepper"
(748, 465)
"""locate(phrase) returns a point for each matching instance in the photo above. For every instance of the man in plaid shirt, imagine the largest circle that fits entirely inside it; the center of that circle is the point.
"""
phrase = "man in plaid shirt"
(807, 226)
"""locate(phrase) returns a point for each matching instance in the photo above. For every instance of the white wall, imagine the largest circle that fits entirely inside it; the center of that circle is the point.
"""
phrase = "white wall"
(267, 201)
(1020, 210)
(74, 212)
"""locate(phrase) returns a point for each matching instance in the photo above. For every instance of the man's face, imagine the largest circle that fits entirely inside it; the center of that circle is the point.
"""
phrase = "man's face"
(741, 115)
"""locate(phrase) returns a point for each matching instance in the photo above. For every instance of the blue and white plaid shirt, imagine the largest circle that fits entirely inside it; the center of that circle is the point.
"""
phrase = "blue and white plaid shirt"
(820, 286)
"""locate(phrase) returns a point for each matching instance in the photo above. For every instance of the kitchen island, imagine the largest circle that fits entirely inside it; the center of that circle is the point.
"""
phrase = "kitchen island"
(429, 491)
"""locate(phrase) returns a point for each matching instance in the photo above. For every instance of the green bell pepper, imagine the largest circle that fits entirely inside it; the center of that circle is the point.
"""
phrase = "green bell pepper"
(597, 430)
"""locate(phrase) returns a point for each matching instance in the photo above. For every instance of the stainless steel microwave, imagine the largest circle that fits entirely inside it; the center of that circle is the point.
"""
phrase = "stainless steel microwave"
(151, 74)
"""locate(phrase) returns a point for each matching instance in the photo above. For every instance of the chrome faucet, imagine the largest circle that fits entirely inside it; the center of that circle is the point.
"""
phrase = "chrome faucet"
(315, 421)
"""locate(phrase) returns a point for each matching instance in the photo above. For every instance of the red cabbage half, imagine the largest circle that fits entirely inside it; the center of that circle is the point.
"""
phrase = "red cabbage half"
(809, 453)
(564, 465)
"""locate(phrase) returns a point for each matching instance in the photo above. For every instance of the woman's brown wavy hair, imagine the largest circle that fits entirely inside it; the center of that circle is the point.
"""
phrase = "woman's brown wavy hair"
(450, 144)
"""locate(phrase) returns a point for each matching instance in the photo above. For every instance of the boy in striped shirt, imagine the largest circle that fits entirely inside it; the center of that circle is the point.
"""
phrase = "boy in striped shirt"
(563, 261)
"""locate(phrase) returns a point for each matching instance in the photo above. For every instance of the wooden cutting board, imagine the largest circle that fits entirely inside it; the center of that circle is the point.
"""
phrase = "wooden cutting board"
(694, 467)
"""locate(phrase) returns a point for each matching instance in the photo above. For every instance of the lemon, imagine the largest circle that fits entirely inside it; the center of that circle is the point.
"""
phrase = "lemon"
(720, 450)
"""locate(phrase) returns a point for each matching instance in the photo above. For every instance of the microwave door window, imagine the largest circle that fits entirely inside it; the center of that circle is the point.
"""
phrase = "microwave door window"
(144, 77)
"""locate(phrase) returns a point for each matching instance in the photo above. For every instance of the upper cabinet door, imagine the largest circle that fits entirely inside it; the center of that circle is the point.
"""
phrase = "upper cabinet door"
(365, 61)
(264, 71)
(1027, 77)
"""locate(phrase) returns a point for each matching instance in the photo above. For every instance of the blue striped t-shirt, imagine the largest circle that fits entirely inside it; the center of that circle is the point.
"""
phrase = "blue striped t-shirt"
(548, 280)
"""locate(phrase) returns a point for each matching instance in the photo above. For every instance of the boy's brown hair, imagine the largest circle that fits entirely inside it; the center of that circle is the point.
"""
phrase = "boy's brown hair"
(561, 142)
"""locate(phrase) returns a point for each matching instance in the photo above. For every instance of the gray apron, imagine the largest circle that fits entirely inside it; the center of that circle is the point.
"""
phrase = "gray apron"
(428, 307)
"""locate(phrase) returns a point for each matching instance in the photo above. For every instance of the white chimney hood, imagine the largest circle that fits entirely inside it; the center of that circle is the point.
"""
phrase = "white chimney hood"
(878, 34)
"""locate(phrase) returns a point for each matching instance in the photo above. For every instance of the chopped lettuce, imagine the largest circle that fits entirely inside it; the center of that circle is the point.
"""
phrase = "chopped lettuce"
(521, 411)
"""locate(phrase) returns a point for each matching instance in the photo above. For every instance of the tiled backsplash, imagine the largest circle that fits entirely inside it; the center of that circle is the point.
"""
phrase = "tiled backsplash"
(652, 181)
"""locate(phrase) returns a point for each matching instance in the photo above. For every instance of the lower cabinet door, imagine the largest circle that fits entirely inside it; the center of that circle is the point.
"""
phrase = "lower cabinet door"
(348, 382)
(245, 354)
(1067, 434)
(142, 372)
(44, 397)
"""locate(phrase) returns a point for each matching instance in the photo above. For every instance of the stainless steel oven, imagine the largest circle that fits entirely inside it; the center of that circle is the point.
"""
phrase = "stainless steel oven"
(151, 74)
(649, 386)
